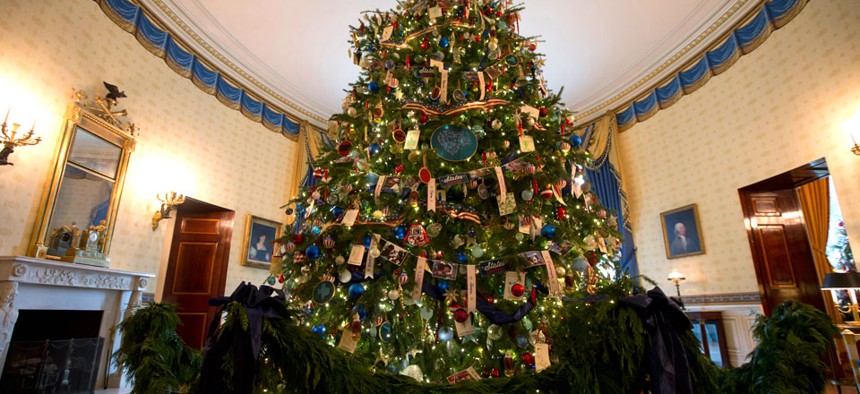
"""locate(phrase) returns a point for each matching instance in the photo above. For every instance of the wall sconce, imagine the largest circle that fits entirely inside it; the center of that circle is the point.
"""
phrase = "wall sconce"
(676, 277)
(10, 142)
(856, 148)
(844, 281)
(168, 201)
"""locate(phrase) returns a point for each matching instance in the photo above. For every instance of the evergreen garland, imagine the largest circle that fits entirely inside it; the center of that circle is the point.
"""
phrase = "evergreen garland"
(153, 355)
(788, 358)
(598, 348)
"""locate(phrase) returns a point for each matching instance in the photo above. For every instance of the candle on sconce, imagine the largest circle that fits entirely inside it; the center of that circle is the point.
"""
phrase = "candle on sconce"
(10, 139)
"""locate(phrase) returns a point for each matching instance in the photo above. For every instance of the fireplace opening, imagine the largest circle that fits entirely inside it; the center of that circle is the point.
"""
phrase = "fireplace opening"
(53, 351)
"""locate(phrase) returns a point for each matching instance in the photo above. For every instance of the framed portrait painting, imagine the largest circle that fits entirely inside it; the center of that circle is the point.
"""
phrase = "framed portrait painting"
(682, 232)
(259, 246)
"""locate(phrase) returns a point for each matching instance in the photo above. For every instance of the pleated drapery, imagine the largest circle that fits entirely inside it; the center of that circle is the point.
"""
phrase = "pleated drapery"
(815, 203)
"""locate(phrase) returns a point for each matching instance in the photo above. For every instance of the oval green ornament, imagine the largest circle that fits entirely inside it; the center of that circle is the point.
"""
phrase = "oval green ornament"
(323, 292)
(454, 143)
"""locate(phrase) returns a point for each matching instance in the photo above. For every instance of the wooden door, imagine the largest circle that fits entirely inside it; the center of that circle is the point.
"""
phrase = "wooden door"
(783, 260)
(197, 268)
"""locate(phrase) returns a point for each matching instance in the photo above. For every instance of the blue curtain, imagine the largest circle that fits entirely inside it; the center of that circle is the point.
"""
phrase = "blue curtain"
(604, 184)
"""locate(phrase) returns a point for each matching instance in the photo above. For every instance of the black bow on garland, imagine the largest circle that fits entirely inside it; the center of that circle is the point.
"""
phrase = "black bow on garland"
(263, 303)
(666, 355)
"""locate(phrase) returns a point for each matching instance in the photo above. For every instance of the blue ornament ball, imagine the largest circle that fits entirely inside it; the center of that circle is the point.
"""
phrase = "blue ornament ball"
(443, 285)
(366, 241)
(316, 230)
(373, 87)
(372, 179)
(355, 290)
(548, 231)
(312, 252)
(443, 42)
(337, 211)
(362, 312)
(374, 149)
(522, 342)
(319, 330)
(575, 140)
(461, 257)
(400, 232)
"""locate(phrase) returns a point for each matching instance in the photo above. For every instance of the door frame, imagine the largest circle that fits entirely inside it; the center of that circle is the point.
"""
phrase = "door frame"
(789, 180)
(190, 206)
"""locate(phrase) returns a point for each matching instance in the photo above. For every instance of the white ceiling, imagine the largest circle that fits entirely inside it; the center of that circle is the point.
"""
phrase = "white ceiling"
(596, 49)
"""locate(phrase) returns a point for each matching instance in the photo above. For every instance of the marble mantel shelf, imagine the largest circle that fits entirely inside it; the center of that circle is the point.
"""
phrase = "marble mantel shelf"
(30, 283)
(55, 273)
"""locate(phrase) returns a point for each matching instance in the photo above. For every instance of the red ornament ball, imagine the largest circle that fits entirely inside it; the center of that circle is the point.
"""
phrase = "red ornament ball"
(344, 148)
(517, 290)
(546, 194)
(498, 14)
(423, 119)
(543, 111)
(281, 278)
(560, 213)
(460, 315)
(495, 372)
(528, 359)
(532, 47)
(425, 44)
(298, 238)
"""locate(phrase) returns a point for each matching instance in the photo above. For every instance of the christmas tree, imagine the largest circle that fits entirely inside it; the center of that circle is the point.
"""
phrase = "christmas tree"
(451, 220)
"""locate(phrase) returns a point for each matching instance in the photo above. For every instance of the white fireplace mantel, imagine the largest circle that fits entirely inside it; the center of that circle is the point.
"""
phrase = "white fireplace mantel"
(29, 283)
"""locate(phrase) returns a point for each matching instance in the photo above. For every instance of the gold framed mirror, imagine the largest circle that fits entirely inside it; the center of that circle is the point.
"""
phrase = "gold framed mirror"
(79, 206)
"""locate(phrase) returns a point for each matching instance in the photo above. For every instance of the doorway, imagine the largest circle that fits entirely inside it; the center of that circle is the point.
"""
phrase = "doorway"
(197, 266)
(784, 263)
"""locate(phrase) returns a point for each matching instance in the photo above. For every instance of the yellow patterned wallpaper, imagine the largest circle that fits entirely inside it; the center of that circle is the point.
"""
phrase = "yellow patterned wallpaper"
(782, 106)
(188, 141)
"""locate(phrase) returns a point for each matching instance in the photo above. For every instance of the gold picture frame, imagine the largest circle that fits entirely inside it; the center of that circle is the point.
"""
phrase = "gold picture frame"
(259, 247)
(682, 232)
(50, 237)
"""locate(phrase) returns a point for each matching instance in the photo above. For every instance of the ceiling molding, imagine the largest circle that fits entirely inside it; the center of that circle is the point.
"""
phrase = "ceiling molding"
(695, 44)
(721, 53)
(177, 23)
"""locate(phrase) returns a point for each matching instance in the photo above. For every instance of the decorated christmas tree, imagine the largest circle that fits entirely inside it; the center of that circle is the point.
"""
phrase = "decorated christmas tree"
(450, 222)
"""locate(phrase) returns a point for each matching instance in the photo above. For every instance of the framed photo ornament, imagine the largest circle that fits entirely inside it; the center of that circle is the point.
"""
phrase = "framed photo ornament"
(259, 246)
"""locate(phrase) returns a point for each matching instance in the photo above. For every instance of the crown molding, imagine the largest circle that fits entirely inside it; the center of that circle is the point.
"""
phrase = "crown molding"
(686, 50)
(262, 82)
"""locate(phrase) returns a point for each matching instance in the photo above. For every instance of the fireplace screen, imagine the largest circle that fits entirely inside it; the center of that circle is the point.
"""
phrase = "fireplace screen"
(64, 366)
